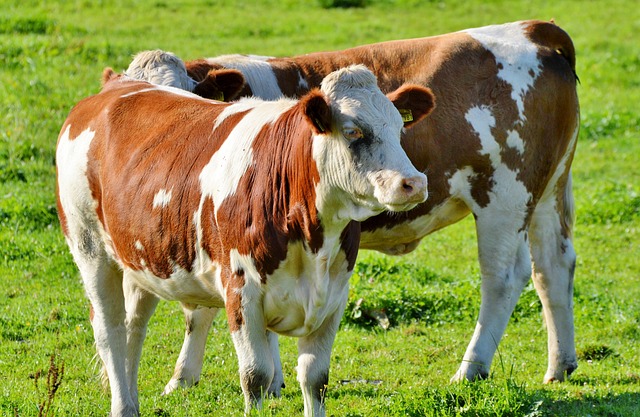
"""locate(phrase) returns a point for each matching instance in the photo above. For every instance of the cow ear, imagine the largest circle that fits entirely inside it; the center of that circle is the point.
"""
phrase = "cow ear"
(317, 111)
(107, 75)
(413, 101)
(222, 85)
(199, 68)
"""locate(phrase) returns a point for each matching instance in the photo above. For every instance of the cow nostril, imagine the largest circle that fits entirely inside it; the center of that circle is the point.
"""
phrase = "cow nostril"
(407, 186)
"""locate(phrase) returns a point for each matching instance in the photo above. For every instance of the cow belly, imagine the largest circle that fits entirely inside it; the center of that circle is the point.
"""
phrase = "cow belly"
(297, 309)
(404, 237)
(199, 289)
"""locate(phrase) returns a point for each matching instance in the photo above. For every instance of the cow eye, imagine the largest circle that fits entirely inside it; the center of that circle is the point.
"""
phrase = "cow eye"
(352, 133)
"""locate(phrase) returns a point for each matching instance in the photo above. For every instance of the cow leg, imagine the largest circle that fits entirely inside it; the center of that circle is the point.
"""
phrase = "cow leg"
(554, 261)
(505, 265)
(140, 305)
(103, 285)
(314, 355)
(278, 378)
(189, 365)
(255, 361)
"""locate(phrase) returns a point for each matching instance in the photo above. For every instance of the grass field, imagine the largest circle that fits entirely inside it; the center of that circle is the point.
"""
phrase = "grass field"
(52, 55)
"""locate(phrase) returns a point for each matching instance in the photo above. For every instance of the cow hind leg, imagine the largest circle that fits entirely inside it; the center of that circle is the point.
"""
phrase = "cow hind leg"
(189, 365)
(103, 285)
(140, 306)
(505, 265)
(553, 269)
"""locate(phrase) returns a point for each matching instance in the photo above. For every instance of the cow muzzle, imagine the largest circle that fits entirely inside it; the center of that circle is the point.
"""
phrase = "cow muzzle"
(401, 192)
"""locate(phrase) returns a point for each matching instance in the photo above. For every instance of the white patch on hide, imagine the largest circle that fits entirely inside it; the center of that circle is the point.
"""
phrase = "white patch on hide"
(162, 198)
(515, 141)
(257, 73)
(507, 193)
(515, 53)
(220, 177)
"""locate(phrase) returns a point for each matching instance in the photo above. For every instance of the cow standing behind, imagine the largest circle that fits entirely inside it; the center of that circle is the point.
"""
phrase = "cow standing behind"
(251, 206)
(165, 68)
(499, 145)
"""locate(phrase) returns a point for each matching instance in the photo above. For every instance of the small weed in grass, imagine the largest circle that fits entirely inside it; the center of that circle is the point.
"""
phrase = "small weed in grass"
(54, 376)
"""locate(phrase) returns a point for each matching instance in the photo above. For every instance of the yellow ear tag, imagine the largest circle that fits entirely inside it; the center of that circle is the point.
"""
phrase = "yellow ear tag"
(219, 96)
(406, 114)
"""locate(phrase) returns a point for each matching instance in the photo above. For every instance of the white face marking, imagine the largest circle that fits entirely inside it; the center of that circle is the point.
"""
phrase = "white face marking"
(220, 177)
(139, 245)
(517, 55)
(162, 198)
(257, 73)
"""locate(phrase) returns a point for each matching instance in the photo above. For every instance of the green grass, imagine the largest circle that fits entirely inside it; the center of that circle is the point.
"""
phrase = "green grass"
(52, 55)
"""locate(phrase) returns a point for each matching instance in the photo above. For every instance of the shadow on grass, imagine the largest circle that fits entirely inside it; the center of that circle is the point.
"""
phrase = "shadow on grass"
(494, 397)
(594, 405)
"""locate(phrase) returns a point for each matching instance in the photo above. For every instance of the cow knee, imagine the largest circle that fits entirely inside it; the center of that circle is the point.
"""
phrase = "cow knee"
(316, 382)
(256, 382)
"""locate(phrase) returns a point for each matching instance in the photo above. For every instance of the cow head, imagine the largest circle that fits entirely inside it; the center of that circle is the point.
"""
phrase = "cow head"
(357, 143)
(165, 68)
(162, 68)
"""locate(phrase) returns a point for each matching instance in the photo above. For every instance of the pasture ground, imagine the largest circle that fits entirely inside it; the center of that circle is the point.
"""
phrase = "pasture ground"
(52, 55)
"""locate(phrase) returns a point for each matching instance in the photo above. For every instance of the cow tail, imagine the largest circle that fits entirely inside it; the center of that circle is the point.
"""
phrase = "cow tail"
(569, 207)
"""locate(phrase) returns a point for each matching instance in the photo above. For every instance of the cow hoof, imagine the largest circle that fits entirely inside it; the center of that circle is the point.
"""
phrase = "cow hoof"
(560, 375)
(471, 374)
(126, 412)
(174, 384)
(275, 390)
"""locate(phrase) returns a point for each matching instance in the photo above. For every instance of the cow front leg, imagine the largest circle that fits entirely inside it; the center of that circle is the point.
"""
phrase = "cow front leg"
(314, 355)
(189, 365)
(554, 262)
(140, 305)
(505, 265)
(249, 335)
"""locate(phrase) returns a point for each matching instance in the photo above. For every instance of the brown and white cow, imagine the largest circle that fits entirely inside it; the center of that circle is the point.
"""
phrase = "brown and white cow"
(252, 206)
(499, 145)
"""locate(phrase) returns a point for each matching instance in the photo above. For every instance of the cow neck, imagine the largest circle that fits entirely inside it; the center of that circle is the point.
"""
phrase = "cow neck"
(275, 200)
